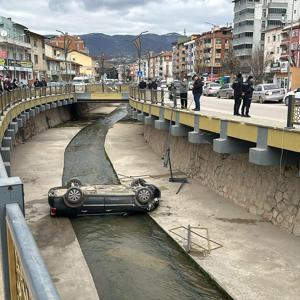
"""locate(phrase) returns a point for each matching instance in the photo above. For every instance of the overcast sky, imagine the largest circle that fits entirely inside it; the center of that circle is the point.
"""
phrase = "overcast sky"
(118, 16)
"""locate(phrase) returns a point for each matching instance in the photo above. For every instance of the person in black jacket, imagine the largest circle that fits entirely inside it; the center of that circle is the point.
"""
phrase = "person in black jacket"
(142, 89)
(197, 91)
(247, 96)
(238, 93)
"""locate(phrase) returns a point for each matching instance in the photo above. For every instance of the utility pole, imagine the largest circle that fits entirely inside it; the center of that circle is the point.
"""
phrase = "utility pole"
(289, 85)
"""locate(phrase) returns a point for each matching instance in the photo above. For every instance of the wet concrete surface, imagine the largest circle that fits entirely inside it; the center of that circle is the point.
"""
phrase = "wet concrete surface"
(257, 261)
(129, 257)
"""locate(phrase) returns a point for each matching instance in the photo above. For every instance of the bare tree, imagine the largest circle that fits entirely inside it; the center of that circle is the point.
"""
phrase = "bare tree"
(258, 63)
(231, 64)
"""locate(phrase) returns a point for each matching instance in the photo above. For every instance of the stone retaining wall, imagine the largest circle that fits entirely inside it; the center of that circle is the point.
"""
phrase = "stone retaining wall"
(270, 192)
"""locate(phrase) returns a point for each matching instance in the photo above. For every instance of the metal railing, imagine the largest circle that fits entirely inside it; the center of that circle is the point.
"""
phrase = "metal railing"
(104, 88)
(293, 116)
(9, 98)
(152, 96)
(28, 275)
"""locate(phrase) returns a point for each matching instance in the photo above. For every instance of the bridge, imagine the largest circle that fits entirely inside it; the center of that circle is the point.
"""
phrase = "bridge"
(269, 143)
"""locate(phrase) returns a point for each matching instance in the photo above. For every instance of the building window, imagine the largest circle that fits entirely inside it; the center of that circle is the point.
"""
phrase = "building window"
(36, 59)
(274, 38)
(35, 43)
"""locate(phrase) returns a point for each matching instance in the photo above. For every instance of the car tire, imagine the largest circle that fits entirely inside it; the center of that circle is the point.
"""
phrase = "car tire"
(138, 182)
(144, 195)
(155, 190)
(261, 101)
(218, 95)
(74, 182)
(74, 197)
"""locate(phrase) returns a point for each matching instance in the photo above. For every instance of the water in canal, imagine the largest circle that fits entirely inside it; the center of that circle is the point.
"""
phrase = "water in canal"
(129, 257)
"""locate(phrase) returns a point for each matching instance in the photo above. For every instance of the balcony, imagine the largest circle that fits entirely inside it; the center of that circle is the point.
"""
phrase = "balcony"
(207, 45)
(218, 55)
(14, 41)
(218, 46)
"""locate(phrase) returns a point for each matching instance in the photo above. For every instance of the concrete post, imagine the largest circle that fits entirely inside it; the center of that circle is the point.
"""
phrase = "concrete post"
(11, 191)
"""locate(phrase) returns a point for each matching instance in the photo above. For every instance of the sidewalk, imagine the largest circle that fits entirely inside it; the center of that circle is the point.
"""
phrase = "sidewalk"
(257, 260)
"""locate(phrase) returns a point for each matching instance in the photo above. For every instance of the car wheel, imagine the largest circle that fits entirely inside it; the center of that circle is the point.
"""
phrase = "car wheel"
(218, 95)
(74, 197)
(138, 182)
(144, 195)
(155, 190)
(261, 100)
(74, 182)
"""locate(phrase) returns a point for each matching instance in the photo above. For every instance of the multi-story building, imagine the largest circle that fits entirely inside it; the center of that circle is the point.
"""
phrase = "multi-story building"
(59, 69)
(190, 58)
(290, 39)
(253, 17)
(211, 49)
(73, 43)
(165, 66)
(37, 54)
(15, 47)
(88, 66)
(179, 57)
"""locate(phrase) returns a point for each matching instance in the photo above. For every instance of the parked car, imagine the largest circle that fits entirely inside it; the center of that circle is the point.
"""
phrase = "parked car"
(76, 199)
(211, 89)
(268, 92)
(225, 91)
(290, 94)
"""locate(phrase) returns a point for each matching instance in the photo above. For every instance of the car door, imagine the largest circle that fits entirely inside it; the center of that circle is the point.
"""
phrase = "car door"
(119, 202)
(94, 204)
(256, 92)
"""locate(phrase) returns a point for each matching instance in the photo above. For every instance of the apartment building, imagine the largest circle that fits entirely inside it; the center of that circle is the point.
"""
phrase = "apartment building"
(73, 43)
(37, 55)
(179, 57)
(211, 49)
(190, 58)
(15, 50)
(88, 64)
(253, 17)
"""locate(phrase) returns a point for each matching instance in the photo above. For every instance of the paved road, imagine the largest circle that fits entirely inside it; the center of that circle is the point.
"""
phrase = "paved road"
(267, 111)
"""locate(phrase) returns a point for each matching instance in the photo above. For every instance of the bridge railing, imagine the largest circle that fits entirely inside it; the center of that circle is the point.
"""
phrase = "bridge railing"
(9, 98)
(146, 95)
(104, 88)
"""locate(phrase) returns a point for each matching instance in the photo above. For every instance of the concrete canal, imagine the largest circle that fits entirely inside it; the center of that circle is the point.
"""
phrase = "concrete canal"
(129, 257)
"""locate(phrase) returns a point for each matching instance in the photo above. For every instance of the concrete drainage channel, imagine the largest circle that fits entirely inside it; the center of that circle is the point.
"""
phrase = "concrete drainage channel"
(129, 257)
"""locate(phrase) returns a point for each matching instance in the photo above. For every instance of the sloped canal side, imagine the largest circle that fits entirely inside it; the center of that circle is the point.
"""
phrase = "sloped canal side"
(129, 257)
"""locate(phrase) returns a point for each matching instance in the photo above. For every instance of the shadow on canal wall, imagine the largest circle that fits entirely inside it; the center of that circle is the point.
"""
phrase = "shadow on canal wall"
(270, 192)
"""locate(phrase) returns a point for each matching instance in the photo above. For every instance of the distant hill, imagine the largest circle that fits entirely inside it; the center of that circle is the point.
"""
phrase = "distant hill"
(121, 45)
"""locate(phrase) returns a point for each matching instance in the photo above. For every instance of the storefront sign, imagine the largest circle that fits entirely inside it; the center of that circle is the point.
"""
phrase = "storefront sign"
(275, 66)
(3, 54)
(284, 67)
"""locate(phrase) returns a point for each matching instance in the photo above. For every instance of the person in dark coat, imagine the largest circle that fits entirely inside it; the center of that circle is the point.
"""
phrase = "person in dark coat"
(43, 83)
(197, 91)
(36, 83)
(247, 96)
(150, 84)
(142, 85)
(142, 90)
(154, 91)
(238, 93)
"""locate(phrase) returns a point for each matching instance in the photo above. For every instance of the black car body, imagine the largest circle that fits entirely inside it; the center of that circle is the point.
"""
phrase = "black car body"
(76, 199)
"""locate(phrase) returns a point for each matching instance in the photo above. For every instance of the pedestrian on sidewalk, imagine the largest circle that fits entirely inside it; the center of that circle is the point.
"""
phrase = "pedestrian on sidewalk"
(172, 91)
(43, 83)
(238, 93)
(197, 91)
(247, 96)
(142, 89)
(36, 83)
(183, 92)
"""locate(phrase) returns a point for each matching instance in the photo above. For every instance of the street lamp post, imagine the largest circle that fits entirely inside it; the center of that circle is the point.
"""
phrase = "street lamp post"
(212, 49)
(289, 114)
(66, 49)
(138, 45)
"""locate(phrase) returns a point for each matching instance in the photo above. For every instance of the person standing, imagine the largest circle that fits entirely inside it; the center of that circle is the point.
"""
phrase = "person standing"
(154, 91)
(142, 89)
(238, 93)
(183, 92)
(247, 96)
(36, 83)
(197, 91)
(43, 83)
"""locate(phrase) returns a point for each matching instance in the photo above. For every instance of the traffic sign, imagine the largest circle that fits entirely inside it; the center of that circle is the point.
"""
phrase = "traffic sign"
(139, 73)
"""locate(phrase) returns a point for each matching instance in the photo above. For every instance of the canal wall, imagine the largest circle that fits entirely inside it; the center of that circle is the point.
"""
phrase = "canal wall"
(270, 192)
(51, 118)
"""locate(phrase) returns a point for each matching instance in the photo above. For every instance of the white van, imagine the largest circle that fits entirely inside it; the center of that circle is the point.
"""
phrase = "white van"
(81, 80)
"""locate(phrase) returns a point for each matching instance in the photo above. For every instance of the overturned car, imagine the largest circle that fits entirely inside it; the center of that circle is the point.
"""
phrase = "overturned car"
(77, 199)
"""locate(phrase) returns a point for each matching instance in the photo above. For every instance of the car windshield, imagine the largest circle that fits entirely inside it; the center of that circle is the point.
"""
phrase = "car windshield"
(268, 87)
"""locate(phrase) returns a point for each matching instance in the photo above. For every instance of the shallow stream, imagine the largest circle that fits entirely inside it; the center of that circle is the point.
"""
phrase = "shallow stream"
(129, 257)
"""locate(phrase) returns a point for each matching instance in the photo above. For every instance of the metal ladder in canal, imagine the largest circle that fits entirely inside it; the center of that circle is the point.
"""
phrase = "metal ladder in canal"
(200, 247)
